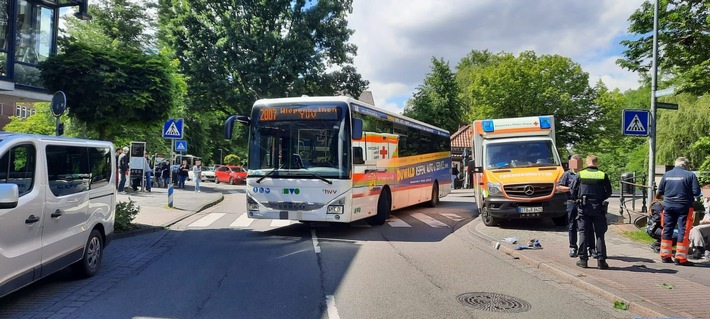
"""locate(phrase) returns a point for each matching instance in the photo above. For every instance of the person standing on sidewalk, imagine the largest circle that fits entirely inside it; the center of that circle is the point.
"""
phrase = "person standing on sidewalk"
(197, 172)
(563, 185)
(123, 169)
(590, 192)
(119, 151)
(183, 173)
(148, 172)
(454, 175)
(678, 188)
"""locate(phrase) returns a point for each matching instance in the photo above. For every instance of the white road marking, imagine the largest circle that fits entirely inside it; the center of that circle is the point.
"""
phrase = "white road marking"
(280, 222)
(332, 310)
(207, 220)
(452, 216)
(314, 238)
(396, 222)
(429, 220)
(242, 221)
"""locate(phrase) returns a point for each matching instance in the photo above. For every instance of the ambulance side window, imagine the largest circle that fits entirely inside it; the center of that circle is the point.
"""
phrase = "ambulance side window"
(17, 166)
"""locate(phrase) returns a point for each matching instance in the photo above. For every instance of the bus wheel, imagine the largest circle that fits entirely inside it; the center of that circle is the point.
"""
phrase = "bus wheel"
(434, 195)
(488, 220)
(560, 221)
(384, 207)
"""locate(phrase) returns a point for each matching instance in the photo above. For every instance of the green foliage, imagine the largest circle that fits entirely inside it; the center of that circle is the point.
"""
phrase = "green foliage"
(109, 90)
(503, 85)
(42, 122)
(678, 130)
(638, 235)
(125, 213)
(232, 159)
(437, 100)
(702, 146)
(618, 304)
(683, 42)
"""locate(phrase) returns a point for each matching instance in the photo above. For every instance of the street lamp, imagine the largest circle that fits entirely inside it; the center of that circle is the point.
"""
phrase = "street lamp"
(220, 156)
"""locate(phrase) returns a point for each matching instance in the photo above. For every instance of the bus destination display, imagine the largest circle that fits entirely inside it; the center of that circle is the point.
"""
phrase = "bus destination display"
(298, 113)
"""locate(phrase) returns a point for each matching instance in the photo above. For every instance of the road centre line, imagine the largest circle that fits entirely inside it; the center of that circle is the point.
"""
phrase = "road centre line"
(314, 238)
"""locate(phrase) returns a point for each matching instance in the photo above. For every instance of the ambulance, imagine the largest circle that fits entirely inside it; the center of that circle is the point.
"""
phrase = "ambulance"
(516, 167)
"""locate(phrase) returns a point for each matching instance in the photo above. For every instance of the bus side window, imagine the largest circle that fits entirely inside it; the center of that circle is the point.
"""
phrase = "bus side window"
(357, 155)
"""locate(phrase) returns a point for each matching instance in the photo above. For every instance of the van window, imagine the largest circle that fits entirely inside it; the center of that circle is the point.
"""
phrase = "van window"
(17, 166)
(100, 161)
(68, 169)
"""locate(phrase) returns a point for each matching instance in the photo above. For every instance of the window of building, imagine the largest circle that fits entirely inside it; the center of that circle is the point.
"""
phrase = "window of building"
(35, 35)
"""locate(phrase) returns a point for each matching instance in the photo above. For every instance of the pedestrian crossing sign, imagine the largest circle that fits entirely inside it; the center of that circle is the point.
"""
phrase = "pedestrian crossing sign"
(181, 146)
(635, 122)
(173, 128)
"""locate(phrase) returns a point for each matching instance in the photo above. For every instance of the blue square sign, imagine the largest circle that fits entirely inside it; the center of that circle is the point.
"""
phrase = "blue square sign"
(635, 122)
(181, 146)
(173, 128)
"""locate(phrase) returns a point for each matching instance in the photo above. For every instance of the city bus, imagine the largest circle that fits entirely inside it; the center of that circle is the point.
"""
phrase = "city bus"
(337, 159)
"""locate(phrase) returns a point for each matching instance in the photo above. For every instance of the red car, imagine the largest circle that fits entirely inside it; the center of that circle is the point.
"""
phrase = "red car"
(230, 174)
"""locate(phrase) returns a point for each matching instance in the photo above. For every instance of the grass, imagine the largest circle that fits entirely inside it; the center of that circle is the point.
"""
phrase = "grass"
(638, 235)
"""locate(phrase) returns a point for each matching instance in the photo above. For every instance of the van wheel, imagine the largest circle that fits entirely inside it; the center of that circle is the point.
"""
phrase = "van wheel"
(488, 220)
(560, 221)
(384, 207)
(434, 195)
(93, 253)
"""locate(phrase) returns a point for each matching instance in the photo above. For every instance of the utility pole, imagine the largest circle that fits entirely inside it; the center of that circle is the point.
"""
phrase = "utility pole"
(652, 117)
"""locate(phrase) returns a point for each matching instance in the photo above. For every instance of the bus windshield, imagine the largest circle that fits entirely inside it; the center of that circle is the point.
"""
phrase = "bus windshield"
(520, 154)
(310, 141)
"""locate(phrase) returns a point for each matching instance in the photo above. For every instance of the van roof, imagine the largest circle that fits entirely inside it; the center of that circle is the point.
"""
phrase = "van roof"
(12, 136)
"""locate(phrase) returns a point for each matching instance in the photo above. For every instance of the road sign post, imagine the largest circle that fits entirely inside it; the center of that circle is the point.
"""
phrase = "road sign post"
(635, 122)
(173, 129)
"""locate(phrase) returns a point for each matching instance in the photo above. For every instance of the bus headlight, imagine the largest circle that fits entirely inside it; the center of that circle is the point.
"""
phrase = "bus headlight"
(252, 204)
(336, 207)
(494, 189)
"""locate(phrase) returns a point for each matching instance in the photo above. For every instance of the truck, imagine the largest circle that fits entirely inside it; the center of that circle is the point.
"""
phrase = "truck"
(516, 168)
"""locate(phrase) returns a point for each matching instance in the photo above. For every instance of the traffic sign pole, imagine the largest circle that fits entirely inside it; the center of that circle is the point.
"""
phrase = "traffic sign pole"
(652, 117)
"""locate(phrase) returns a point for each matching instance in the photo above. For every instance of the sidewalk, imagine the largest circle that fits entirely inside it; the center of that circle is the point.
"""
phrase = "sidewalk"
(636, 275)
(155, 213)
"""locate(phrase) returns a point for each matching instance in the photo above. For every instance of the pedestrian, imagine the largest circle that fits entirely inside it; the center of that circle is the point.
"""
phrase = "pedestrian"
(148, 172)
(700, 235)
(123, 168)
(119, 151)
(454, 174)
(165, 173)
(197, 173)
(183, 173)
(590, 192)
(678, 187)
(563, 185)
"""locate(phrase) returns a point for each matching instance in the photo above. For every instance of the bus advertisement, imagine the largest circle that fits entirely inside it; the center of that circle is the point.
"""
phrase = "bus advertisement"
(336, 159)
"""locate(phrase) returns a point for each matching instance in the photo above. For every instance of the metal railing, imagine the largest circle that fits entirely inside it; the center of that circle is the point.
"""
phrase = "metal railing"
(627, 182)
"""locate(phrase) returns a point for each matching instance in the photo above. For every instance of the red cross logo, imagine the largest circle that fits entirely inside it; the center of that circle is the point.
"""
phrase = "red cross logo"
(383, 152)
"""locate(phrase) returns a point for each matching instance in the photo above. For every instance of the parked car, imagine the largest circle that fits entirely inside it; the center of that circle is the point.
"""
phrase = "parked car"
(230, 174)
(208, 173)
(191, 175)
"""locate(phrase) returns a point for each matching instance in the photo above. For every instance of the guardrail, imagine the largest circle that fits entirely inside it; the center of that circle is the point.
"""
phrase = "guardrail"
(628, 194)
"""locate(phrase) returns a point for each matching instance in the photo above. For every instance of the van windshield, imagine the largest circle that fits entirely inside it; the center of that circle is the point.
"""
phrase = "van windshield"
(520, 154)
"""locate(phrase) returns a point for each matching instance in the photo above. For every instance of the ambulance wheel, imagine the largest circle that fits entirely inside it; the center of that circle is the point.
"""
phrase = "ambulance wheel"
(384, 208)
(560, 221)
(488, 220)
(434, 195)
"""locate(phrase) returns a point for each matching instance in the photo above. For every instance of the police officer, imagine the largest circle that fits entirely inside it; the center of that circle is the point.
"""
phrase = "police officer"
(564, 185)
(590, 191)
(678, 188)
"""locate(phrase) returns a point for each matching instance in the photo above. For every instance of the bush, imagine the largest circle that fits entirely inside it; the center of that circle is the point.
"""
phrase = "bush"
(125, 213)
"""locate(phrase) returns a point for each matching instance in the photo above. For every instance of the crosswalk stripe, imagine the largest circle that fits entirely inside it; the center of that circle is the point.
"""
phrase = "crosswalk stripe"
(207, 220)
(429, 220)
(280, 222)
(452, 216)
(396, 222)
(242, 221)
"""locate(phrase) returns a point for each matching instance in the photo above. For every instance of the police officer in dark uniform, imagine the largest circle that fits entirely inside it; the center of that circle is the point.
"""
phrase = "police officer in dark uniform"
(678, 188)
(564, 185)
(590, 191)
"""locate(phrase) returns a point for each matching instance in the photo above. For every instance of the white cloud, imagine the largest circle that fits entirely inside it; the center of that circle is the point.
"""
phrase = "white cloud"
(398, 38)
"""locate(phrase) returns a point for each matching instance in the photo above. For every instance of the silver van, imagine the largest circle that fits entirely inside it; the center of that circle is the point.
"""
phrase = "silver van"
(57, 206)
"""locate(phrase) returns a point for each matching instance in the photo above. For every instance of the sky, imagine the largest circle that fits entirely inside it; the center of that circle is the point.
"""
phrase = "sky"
(397, 39)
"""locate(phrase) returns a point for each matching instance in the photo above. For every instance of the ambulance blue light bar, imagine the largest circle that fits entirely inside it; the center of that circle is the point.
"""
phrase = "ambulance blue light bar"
(545, 122)
(488, 126)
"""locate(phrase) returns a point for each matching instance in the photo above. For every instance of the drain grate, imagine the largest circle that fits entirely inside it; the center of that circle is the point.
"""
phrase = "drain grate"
(491, 301)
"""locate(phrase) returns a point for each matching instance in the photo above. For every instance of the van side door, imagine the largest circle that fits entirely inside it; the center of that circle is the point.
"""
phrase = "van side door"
(66, 205)
(21, 226)
(102, 192)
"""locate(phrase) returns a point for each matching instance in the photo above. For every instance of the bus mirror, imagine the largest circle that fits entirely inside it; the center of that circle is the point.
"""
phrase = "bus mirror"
(357, 129)
(229, 124)
(244, 119)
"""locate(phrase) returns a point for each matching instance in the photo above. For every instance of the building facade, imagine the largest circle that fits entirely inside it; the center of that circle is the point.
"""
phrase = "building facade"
(28, 36)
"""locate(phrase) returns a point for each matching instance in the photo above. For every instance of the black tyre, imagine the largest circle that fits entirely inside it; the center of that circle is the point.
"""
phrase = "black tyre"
(384, 208)
(434, 195)
(560, 221)
(488, 220)
(231, 181)
(216, 180)
(93, 254)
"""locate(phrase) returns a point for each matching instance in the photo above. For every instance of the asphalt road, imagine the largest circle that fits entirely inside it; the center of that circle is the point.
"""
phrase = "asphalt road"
(218, 264)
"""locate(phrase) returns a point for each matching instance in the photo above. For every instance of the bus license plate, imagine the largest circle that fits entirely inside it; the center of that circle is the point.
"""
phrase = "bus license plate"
(525, 209)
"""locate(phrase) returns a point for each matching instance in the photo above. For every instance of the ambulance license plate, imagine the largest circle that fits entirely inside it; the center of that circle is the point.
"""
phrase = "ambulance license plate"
(527, 209)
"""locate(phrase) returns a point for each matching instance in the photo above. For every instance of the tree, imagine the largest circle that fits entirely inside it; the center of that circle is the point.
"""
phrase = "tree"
(678, 130)
(232, 159)
(503, 85)
(108, 90)
(437, 101)
(683, 42)
(42, 122)
(234, 52)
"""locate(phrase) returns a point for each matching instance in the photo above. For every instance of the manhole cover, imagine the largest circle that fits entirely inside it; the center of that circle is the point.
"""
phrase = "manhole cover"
(490, 301)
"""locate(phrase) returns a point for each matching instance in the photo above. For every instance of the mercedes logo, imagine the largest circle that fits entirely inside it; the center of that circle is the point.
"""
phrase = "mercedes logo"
(529, 190)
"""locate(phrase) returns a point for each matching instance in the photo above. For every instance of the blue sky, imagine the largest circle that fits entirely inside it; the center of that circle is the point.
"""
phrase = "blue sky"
(398, 38)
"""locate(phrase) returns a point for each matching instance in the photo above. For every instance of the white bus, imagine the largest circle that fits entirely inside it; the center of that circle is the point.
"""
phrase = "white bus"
(336, 159)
